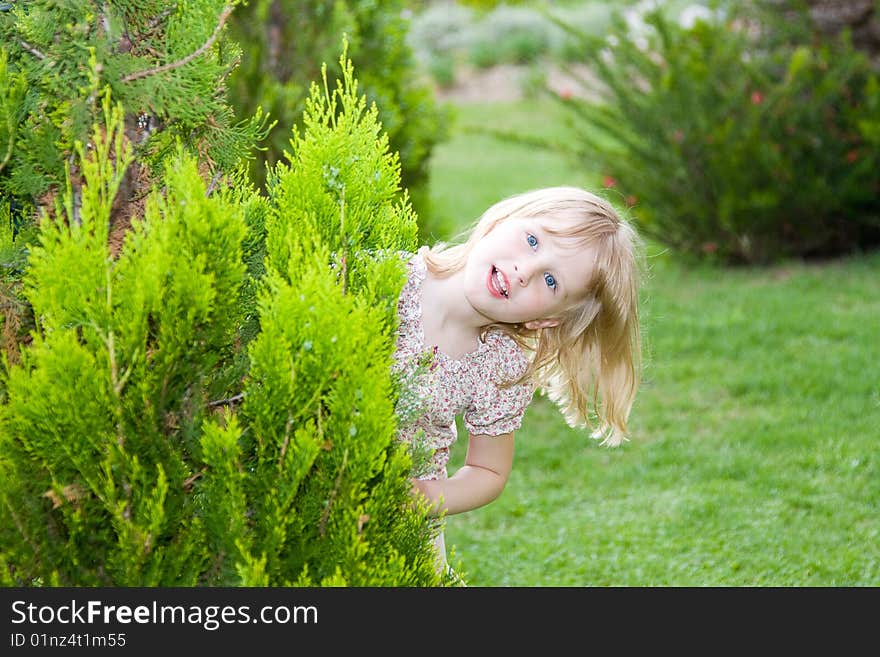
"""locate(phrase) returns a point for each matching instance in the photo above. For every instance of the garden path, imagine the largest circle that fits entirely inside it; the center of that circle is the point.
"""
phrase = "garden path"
(506, 83)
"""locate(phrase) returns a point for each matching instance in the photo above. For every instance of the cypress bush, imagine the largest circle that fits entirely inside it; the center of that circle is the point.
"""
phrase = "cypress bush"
(166, 63)
(744, 138)
(213, 404)
(284, 43)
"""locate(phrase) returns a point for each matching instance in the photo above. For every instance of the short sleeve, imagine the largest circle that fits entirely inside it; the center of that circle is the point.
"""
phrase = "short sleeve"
(503, 414)
(498, 408)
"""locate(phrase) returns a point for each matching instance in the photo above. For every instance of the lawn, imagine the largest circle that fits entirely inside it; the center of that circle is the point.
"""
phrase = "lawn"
(753, 458)
(471, 171)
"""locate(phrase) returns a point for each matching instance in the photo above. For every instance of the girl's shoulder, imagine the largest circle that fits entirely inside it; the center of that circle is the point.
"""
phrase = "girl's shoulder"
(416, 267)
(505, 354)
(409, 306)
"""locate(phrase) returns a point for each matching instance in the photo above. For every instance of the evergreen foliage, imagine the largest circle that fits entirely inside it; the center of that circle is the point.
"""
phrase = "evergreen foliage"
(744, 138)
(127, 457)
(284, 44)
(15, 313)
(333, 233)
(166, 63)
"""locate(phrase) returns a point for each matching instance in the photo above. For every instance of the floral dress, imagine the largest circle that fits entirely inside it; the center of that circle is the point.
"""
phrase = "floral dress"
(438, 388)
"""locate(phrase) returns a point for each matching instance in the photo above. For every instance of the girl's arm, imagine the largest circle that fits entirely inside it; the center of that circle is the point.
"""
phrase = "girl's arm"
(479, 481)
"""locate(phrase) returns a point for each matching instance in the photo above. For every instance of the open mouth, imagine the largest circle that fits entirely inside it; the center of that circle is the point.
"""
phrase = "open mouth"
(497, 283)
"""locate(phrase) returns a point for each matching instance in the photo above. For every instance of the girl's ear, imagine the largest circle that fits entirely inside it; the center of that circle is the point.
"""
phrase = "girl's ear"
(541, 324)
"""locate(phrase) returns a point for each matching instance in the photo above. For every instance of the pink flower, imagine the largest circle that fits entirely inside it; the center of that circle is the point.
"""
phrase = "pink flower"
(631, 200)
(565, 93)
(852, 156)
(608, 181)
(757, 98)
(709, 247)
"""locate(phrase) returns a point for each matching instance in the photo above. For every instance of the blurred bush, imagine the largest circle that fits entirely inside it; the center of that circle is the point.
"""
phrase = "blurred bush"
(509, 35)
(744, 137)
(486, 33)
(440, 28)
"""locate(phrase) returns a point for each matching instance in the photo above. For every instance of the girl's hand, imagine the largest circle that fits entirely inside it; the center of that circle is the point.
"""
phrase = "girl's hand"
(419, 488)
(420, 495)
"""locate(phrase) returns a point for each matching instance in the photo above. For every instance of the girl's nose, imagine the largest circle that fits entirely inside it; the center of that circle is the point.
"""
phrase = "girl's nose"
(522, 274)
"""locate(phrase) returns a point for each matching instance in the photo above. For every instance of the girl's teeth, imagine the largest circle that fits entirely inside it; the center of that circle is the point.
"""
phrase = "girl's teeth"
(499, 282)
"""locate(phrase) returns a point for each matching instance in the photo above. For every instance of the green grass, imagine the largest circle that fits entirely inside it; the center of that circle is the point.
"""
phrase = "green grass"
(472, 170)
(753, 458)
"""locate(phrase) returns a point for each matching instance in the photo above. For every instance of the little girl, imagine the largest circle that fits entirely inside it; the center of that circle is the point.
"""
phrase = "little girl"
(542, 295)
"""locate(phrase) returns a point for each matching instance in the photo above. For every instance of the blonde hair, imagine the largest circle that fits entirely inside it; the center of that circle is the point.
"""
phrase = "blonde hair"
(590, 364)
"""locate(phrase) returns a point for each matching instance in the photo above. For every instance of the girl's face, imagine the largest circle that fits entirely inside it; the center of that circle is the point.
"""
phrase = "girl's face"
(519, 274)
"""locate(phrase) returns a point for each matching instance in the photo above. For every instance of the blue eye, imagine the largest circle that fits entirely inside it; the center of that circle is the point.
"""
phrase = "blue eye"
(532, 240)
(551, 282)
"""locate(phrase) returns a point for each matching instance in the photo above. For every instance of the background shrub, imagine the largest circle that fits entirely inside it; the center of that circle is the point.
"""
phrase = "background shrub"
(742, 139)
(440, 28)
(496, 32)
(442, 69)
(516, 35)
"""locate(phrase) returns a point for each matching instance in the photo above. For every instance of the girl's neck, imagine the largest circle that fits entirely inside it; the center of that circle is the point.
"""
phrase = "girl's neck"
(448, 320)
(445, 299)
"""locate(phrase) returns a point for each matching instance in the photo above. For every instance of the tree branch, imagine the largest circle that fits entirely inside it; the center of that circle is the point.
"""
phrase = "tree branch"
(325, 515)
(36, 53)
(186, 60)
(227, 401)
(213, 183)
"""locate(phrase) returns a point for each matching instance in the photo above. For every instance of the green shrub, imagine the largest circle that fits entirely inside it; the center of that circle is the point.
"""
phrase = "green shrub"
(524, 47)
(588, 17)
(442, 69)
(129, 456)
(166, 63)
(484, 54)
(284, 44)
(491, 33)
(16, 315)
(509, 35)
(439, 28)
(733, 142)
